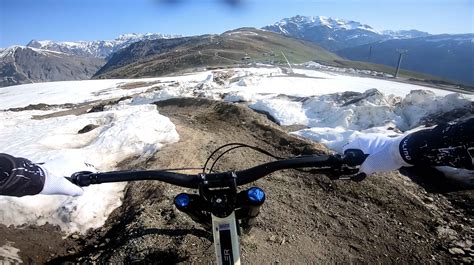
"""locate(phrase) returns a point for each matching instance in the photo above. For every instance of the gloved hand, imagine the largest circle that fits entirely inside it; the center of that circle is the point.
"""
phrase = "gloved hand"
(58, 185)
(383, 151)
(20, 177)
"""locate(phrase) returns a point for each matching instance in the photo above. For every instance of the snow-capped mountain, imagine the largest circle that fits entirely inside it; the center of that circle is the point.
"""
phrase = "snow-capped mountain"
(302, 22)
(335, 34)
(405, 34)
(98, 49)
(450, 56)
(20, 65)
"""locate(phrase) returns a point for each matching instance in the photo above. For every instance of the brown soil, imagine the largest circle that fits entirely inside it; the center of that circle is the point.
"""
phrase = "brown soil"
(306, 219)
(37, 244)
(133, 85)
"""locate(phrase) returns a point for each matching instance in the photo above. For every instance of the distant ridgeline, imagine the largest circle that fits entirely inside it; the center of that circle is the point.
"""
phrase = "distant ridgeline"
(20, 65)
(42, 61)
(448, 56)
(334, 42)
(232, 48)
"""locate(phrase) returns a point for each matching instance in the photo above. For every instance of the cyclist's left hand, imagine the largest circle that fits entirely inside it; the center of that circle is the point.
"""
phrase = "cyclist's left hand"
(59, 185)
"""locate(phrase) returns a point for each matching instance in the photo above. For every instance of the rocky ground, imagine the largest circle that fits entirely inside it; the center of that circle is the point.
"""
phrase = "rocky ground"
(388, 218)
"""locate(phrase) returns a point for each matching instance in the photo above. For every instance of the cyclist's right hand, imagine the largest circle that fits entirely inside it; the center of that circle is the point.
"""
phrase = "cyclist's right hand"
(383, 152)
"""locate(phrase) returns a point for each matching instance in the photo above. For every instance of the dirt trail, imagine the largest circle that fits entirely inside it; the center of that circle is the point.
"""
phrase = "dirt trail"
(306, 219)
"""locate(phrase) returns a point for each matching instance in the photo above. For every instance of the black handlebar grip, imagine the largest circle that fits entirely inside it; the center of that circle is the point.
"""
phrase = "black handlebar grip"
(354, 157)
(81, 178)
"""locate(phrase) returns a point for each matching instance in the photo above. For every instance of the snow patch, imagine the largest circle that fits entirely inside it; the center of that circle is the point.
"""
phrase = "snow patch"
(334, 106)
(10, 51)
(123, 131)
(9, 254)
(421, 103)
(100, 48)
(54, 92)
(239, 96)
(244, 33)
(334, 119)
(322, 21)
(283, 111)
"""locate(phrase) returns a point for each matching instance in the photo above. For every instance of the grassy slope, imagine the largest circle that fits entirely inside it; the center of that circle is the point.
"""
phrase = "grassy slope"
(446, 56)
(236, 47)
(404, 74)
(233, 48)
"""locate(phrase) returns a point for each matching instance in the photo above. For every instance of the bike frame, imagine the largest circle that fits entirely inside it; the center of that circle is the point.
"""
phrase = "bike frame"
(226, 239)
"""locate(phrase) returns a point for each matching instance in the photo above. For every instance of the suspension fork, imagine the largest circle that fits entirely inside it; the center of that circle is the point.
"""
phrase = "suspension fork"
(225, 230)
(219, 207)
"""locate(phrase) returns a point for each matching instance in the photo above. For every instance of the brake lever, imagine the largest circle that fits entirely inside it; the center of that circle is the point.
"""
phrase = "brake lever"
(348, 169)
(353, 174)
(354, 157)
(358, 177)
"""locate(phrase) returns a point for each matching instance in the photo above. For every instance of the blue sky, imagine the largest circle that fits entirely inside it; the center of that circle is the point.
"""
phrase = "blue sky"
(72, 20)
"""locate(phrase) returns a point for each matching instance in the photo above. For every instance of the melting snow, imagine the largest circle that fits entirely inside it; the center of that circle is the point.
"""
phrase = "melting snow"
(123, 131)
(334, 106)
(338, 24)
(9, 254)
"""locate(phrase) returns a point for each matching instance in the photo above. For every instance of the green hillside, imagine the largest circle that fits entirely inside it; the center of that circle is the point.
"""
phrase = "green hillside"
(237, 47)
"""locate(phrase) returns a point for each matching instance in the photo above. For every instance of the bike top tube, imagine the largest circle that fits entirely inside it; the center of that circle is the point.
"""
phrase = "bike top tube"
(320, 163)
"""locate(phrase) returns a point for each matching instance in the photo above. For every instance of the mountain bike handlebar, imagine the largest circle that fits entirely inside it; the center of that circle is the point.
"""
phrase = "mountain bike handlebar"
(219, 206)
(336, 166)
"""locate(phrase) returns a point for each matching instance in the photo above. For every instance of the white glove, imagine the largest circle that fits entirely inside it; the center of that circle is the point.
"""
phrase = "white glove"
(59, 185)
(56, 183)
(383, 151)
(19, 177)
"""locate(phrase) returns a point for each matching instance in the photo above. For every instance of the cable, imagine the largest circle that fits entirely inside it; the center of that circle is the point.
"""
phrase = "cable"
(225, 152)
(235, 146)
(180, 169)
(214, 152)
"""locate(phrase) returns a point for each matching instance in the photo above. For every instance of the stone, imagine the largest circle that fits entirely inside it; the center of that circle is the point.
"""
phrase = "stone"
(456, 251)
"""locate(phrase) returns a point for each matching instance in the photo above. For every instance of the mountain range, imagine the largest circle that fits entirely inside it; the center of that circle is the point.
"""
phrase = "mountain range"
(449, 56)
(336, 34)
(47, 60)
(300, 38)
(97, 49)
(20, 65)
